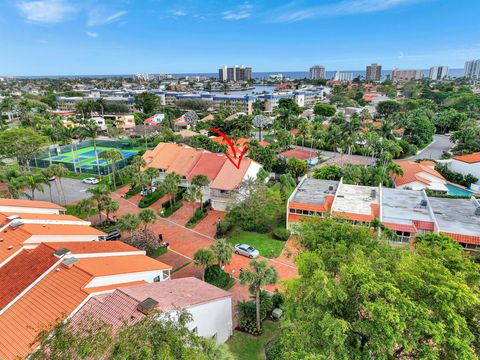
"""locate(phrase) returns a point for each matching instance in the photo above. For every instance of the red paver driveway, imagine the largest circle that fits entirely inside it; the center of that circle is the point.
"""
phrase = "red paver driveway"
(182, 215)
(208, 226)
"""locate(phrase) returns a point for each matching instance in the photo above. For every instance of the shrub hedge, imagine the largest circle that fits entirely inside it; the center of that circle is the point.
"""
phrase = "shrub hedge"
(198, 216)
(281, 234)
(149, 199)
(214, 275)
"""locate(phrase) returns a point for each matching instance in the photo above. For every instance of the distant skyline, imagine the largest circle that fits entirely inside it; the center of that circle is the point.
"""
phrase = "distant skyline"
(88, 37)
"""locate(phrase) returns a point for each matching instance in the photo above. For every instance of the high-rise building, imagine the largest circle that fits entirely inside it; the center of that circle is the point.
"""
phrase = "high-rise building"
(237, 73)
(406, 75)
(472, 69)
(343, 76)
(374, 72)
(317, 72)
(438, 73)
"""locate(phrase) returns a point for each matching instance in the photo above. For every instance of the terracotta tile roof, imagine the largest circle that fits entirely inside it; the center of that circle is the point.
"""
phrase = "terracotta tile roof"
(424, 225)
(470, 158)
(401, 227)
(34, 216)
(313, 207)
(30, 204)
(49, 301)
(209, 164)
(185, 161)
(111, 265)
(299, 154)
(465, 239)
(23, 270)
(411, 172)
(229, 177)
(92, 247)
(11, 242)
(121, 305)
(97, 289)
(163, 156)
(56, 229)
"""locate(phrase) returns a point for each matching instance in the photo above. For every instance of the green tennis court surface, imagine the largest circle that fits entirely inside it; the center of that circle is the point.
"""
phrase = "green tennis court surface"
(85, 158)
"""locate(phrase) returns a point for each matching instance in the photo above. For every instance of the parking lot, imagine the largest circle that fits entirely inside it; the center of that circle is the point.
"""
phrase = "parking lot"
(74, 190)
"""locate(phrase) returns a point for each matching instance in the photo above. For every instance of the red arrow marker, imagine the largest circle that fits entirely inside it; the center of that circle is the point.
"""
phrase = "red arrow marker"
(236, 162)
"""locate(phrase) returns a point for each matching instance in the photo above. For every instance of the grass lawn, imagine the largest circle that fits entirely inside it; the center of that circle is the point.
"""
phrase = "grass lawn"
(158, 252)
(264, 243)
(248, 347)
(72, 210)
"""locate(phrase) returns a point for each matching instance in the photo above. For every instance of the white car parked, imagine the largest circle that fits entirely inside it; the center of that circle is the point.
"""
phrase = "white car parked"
(91, 181)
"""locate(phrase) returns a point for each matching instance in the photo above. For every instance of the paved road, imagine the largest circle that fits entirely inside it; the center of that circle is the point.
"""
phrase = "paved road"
(74, 189)
(435, 150)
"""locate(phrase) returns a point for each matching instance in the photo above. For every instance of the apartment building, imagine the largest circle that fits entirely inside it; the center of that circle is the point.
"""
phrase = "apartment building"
(472, 69)
(438, 73)
(405, 75)
(68, 103)
(407, 212)
(374, 72)
(225, 178)
(317, 72)
(236, 73)
(343, 76)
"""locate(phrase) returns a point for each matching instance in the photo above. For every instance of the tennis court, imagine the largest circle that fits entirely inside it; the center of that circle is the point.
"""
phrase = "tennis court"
(85, 158)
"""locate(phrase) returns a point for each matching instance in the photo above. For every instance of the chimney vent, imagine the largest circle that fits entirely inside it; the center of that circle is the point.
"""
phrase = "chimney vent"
(68, 263)
(61, 252)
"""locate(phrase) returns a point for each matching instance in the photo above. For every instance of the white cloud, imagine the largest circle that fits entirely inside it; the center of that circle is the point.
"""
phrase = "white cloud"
(240, 12)
(97, 16)
(344, 7)
(178, 13)
(46, 11)
(92, 34)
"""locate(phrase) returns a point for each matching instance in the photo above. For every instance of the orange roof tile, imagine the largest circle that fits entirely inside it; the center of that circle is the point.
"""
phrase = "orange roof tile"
(301, 154)
(209, 164)
(23, 270)
(92, 247)
(185, 161)
(11, 242)
(229, 177)
(55, 229)
(411, 170)
(470, 158)
(51, 300)
(111, 265)
(30, 204)
(35, 216)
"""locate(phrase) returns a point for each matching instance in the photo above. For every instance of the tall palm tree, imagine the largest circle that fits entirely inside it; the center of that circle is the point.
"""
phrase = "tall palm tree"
(223, 252)
(261, 274)
(147, 217)
(152, 173)
(192, 194)
(204, 258)
(59, 171)
(68, 134)
(49, 132)
(35, 181)
(129, 223)
(90, 131)
(110, 206)
(202, 182)
(99, 195)
(170, 184)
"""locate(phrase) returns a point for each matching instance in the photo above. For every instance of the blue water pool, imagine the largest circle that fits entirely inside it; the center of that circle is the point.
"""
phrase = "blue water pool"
(457, 191)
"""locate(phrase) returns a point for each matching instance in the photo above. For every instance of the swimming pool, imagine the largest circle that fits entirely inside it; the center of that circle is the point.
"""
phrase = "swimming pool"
(457, 191)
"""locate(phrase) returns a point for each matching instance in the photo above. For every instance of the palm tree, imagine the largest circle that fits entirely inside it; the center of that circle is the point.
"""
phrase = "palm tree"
(59, 171)
(48, 174)
(138, 163)
(85, 206)
(192, 194)
(49, 132)
(303, 130)
(110, 206)
(68, 134)
(35, 181)
(170, 184)
(204, 258)
(261, 274)
(112, 156)
(140, 179)
(223, 252)
(152, 173)
(202, 182)
(90, 131)
(129, 223)
(147, 216)
(99, 195)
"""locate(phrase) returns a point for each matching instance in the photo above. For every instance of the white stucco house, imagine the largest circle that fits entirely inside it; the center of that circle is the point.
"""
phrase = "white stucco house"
(467, 164)
(420, 176)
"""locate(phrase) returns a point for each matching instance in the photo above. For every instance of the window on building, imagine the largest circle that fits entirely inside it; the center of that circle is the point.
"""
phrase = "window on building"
(291, 211)
(157, 279)
(403, 236)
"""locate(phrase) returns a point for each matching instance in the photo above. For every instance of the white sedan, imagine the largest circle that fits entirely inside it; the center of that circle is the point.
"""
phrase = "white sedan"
(91, 181)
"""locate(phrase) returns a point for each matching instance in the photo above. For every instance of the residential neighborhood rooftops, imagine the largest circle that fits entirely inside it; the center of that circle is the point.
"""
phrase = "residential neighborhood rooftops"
(357, 202)
(456, 215)
(92, 247)
(110, 265)
(314, 192)
(422, 172)
(229, 177)
(470, 158)
(209, 165)
(404, 206)
(54, 229)
(4, 217)
(30, 204)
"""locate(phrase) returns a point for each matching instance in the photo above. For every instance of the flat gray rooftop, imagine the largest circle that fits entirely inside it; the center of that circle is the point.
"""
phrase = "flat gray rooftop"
(456, 215)
(404, 206)
(313, 191)
(356, 199)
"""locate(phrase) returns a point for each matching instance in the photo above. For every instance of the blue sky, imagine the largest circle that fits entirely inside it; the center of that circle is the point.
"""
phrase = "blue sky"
(55, 37)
